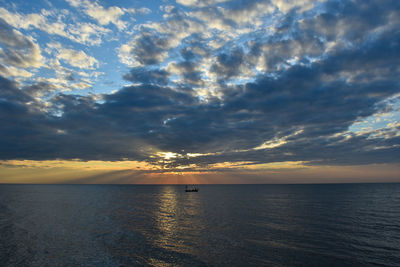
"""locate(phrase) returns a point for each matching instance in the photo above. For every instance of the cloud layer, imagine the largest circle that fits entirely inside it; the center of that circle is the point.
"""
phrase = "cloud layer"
(252, 82)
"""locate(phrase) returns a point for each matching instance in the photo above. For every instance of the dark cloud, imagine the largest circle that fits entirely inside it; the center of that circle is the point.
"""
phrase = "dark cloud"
(189, 68)
(40, 89)
(147, 76)
(12, 38)
(11, 94)
(352, 21)
(22, 122)
(149, 47)
(17, 50)
(191, 75)
(70, 77)
(228, 64)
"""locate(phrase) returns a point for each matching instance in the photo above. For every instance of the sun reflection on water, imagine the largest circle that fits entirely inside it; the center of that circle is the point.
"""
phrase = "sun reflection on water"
(177, 220)
(167, 217)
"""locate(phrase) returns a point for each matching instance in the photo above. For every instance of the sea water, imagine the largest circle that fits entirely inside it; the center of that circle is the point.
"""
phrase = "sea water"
(221, 225)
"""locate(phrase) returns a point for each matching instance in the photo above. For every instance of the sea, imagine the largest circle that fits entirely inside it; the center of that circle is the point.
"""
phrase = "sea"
(221, 225)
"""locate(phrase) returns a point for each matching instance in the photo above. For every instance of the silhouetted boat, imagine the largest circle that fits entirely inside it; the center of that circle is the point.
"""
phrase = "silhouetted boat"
(191, 188)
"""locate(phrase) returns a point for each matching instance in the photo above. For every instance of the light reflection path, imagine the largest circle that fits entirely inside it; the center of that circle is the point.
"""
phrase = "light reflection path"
(166, 218)
(177, 221)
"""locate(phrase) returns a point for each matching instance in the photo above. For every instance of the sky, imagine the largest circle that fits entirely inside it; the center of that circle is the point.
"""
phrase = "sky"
(199, 91)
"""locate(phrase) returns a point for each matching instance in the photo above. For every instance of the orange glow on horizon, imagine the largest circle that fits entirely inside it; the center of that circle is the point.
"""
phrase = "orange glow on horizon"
(135, 172)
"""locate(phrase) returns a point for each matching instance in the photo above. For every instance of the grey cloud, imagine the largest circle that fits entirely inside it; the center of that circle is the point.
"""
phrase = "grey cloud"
(189, 68)
(21, 120)
(190, 74)
(278, 52)
(228, 64)
(39, 89)
(16, 49)
(271, 107)
(70, 77)
(147, 76)
(12, 38)
(149, 47)
(352, 21)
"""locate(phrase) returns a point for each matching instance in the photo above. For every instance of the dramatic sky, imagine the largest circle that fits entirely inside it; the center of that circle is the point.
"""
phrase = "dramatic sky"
(202, 91)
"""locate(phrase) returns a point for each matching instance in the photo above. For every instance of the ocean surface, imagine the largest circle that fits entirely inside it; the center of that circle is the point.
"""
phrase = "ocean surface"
(221, 225)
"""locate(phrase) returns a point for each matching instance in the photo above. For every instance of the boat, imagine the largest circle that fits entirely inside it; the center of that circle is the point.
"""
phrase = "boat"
(191, 188)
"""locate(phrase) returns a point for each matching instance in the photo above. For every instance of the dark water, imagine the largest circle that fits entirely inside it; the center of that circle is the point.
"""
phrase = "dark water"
(222, 225)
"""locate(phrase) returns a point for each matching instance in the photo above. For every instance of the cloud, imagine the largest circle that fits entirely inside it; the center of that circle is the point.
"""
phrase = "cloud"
(140, 11)
(66, 78)
(103, 16)
(275, 108)
(21, 120)
(11, 37)
(147, 48)
(10, 71)
(282, 5)
(277, 54)
(200, 3)
(351, 23)
(286, 5)
(87, 33)
(249, 14)
(80, 32)
(18, 50)
(189, 72)
(152, 44)
(73, 57)
(214, 20)
(33, 20)
(189, 69)
(147, 76)
(228, 65)
(39, 89)
(177, 25)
